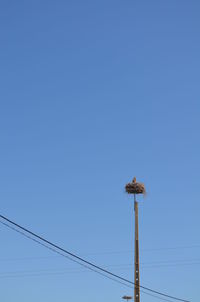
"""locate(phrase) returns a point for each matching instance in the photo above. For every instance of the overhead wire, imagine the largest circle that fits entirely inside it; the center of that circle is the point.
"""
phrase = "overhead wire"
(57, 271)
(97, 269)
(111, 253)
(80, 260)
(61, 254)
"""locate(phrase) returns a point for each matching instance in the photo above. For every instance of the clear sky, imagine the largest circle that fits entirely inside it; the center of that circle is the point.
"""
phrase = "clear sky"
(92, 94)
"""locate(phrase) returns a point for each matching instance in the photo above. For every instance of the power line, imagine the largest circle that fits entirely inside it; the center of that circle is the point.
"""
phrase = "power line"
(61, 254)
(85, 263)
(154, 296)
(152, 264)
(71, 270)
(81, 260)
(114, 252)
(171, 248)
(57, 271)
(91, 269)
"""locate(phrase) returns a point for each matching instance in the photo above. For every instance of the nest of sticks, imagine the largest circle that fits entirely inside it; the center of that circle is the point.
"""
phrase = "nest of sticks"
(135, 188)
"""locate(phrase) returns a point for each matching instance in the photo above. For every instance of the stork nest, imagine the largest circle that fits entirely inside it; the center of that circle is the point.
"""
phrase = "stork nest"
(135, 188)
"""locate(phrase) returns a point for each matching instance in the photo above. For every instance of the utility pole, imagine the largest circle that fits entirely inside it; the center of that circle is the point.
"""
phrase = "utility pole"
(137, 271)
(136, 188)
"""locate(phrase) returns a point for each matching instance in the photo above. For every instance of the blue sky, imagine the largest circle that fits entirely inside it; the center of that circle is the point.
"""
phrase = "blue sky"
(92, 94)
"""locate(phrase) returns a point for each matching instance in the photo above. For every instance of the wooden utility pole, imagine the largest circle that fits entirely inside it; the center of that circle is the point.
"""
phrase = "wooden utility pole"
(137, 269)
(136, 188)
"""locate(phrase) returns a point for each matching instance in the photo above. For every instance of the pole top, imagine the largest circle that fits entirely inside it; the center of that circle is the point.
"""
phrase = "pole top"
(135, 187)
